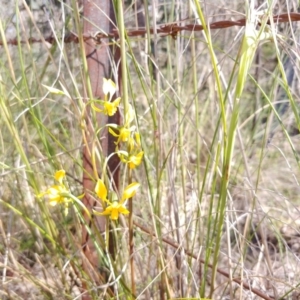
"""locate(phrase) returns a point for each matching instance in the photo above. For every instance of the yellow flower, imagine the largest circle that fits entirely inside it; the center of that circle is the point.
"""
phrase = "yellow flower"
(58, 194)
(109, 107)
(55, 195)
(131, 159)
(116, 207)
(124, 133)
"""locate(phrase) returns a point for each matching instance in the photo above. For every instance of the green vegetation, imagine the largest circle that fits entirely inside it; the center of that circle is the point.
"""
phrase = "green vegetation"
(209, 191)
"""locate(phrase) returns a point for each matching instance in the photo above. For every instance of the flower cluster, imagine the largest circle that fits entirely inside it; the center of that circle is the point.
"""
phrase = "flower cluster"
(128, 148)
(128, 144)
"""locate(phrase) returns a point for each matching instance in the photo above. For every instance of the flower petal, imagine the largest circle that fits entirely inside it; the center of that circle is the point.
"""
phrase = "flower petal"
(95, 108)
(129, 115)
(124, 134)
(135, 160)
(101, 190)
(109, 87)
(110, 108)
(112, 132)
(129, 191)
(54, 196)
(138, 139)
(59, 175)
(123, 210)
(102, 213)
(114, 214)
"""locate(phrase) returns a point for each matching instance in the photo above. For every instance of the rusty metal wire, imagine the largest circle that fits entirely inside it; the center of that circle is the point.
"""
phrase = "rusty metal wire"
(165, 29)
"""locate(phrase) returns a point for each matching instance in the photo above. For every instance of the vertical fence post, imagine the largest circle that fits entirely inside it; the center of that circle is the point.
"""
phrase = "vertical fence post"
(99, 16)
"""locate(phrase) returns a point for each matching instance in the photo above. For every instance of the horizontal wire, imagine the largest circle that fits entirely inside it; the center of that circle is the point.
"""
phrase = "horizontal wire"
(164, 29)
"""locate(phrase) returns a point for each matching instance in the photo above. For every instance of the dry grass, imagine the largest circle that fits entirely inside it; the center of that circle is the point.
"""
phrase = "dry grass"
(178, 117)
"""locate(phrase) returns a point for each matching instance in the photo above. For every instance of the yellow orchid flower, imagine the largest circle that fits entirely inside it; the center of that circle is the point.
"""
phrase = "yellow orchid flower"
(57, 194)
(133, 160)
(124, 133)
(115, 207)
(109, 107)
(113, 210)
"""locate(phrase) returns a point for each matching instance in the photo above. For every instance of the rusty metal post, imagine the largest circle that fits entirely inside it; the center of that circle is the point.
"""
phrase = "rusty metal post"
(98, 16)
